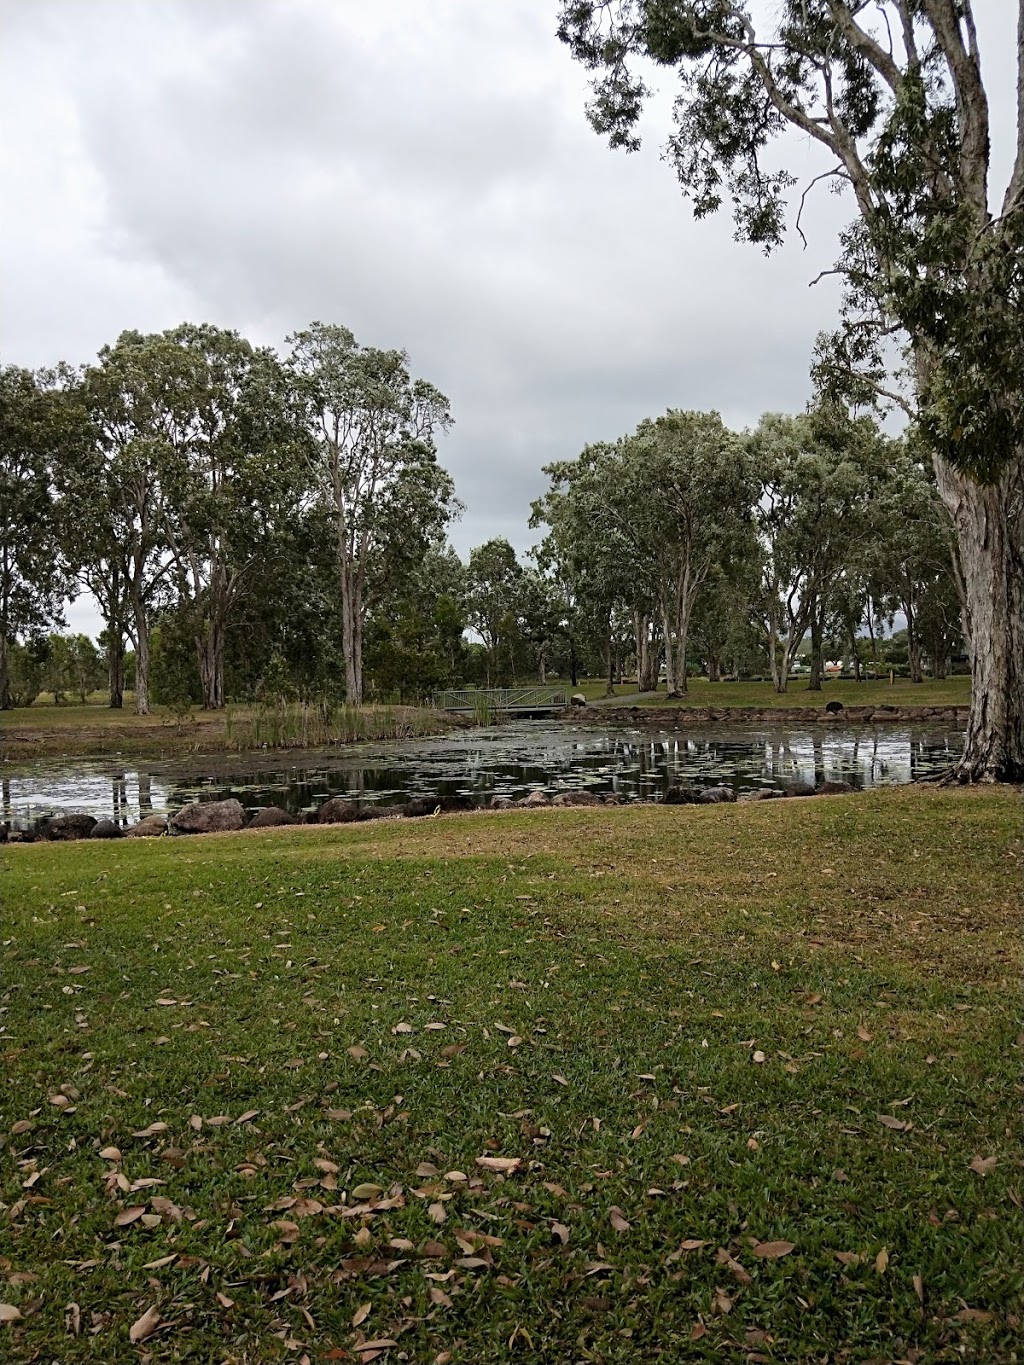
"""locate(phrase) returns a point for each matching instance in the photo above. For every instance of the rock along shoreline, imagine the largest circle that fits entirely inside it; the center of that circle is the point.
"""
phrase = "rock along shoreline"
(832, 713)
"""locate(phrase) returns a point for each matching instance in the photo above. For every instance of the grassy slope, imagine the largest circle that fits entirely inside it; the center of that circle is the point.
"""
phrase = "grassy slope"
(954, 691)
(40, 731)
(869, 946)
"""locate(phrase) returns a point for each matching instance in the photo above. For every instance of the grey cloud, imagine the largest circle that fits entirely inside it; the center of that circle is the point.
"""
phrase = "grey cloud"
(423, 174)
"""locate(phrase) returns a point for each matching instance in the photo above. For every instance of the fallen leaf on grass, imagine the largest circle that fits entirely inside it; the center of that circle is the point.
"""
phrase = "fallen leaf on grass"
(8, 1313)
(505, 1164)
(357, 1052)
(557, 1076)
(437, 1212)
(882, 1262)
(366, 1191)
(110, 1154)
(361, 1314)
(759, 1057)
(771, 1251)
(983, 1164)
(145, 1326)
(160, 1262)
(692, 1244)
(863, 1034)
(890, 1121)
(151, 1131)
(560, 1231)
(127, 1216)
(618, 1219)
(850, 1258)
(381, 1344)
(224, 1301)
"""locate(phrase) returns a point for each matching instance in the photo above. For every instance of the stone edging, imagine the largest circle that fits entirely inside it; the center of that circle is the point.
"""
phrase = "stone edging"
(678, 716)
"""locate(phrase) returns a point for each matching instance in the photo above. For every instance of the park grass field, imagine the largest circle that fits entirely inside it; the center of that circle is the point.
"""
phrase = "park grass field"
(48, 731)
(952, 691)
(753, 1074)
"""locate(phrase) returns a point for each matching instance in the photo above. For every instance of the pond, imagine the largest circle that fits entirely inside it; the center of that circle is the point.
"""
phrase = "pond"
(509, 760)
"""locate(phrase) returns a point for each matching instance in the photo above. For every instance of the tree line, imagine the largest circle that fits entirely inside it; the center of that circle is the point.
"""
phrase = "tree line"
(252, 525)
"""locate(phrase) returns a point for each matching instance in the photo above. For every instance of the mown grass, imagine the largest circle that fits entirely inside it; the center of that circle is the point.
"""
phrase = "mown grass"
(953, 691)
(644, 958)
(32, 732)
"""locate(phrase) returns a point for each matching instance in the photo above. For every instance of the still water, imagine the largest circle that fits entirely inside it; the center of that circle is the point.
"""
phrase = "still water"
(509, 760)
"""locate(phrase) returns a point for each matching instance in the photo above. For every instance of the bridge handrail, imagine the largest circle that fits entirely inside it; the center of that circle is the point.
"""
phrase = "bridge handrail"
(499, 698)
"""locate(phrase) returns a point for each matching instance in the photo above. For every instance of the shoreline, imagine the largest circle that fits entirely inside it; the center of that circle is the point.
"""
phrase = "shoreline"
(668, 717)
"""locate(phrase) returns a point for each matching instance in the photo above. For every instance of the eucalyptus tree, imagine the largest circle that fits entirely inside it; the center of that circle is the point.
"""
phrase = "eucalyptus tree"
(812, 514)
(493, 587)
(233, 478)
(682, 493)
(34, 574)
(892, 94)
(373, 429)
(133, 395)
(588, 556)
(910, 563)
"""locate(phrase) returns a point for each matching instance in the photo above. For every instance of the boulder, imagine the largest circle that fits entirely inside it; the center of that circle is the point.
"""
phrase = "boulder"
(106, 829)
(798, 788)
(339, 810)
(759, 794)
(833, 707)
(535, 800)
(150, 827)
(837, 788)
(612, 799)
(434, 805)
(502, 803)
(715, 796)
(21, 836)
(379, 812)
(679, 796)
(59, 828)
(575, 798)
(207, 817)
(269, 817)
(577, 699)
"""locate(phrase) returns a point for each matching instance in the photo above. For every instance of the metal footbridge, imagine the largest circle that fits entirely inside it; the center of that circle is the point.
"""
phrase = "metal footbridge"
(488, 701)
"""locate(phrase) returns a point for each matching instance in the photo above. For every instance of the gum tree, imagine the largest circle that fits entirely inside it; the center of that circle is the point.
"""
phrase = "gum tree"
(374, 465)
(893, 94)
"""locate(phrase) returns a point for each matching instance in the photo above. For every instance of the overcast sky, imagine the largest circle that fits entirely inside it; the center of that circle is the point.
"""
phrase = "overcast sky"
(422, 173)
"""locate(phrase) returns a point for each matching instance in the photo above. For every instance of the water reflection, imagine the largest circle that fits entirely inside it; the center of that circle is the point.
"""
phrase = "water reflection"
(508, 760)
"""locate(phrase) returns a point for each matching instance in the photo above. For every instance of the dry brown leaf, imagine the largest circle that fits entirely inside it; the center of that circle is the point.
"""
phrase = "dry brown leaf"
(983, 1164)
(850, 1258)
(224, 1301)
(402, 1028)
(381, 1344)
(557, 1076)
(8, 1313)
(357, 1052)
(361, 1314)
(560, 1231)
(110, 1154)
(918, 1284)
(505, 1164)
(145, 1326)
(692, 1244)
(618, 1219)
(890, 1121)
(771, 1251)
(127, 1216)
(437, 1212)
(160, 1262)
(759, 1057)
(863, 1034)
(425, 1169)
(151, 1131)
(366, 1191)
(882, 1262)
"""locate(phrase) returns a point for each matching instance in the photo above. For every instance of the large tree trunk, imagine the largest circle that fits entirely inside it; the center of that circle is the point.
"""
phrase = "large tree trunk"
(913, 644)
(989, 524)
(814, 681)
(210, 657)
(115, 665)
(141, 663)
(714, 666)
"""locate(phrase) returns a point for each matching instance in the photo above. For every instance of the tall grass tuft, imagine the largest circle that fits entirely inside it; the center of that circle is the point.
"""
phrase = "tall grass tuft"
(319, 724)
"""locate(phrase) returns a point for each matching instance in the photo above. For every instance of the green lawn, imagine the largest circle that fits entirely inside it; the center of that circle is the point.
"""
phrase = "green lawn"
(954, 691)
(45, 731)
(757, 1069)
